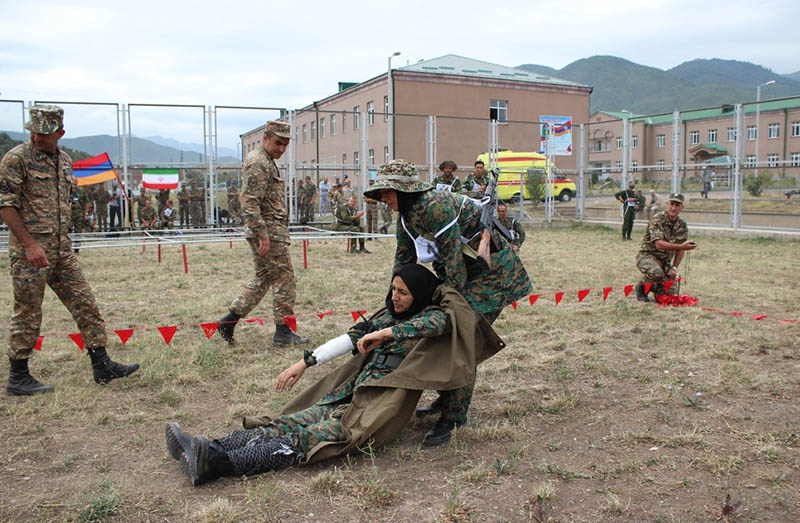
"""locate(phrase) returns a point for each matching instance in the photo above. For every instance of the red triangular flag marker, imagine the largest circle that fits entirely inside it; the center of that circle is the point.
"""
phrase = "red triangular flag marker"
(124, 335)
(786, 322)
(628, 289)
(255, 320)
(647, 287)
(167, 333)
(321, 315)
(606, 292)
(583, 294)
(532, 298)
(737, 314)
(668, 285)
(707, 309)
(514, 304)
(759, 317)
(559, 297)
(357, 314)
(291, 322)
(38, 345)
(77, 338)
(209, 329)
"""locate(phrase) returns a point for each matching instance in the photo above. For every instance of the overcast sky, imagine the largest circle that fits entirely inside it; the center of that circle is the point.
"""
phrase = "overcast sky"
(288, 54)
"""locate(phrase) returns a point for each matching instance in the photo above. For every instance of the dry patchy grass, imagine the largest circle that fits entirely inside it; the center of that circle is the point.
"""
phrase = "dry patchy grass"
(596, 411)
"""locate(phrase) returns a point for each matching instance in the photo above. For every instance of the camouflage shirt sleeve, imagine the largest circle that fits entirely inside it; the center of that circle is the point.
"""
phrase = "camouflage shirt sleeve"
(256, 178)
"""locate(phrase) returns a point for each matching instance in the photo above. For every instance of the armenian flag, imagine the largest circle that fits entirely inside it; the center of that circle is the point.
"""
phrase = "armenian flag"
(160, 178)
(96, 169)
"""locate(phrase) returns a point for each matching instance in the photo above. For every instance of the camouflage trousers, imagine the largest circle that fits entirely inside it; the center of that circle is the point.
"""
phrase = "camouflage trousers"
(372, 218)
(272, 271)
(654, 270)
(307, 212)
(183, 212)
(65, 276)
(306, 428)
(196, 212)
(101, 210)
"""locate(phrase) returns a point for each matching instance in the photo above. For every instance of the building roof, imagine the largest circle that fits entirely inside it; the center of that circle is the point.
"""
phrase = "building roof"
(455, 65)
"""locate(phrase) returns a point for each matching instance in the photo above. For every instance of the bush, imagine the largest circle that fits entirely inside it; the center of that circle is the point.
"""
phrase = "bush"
(534, 183)
(755, 183)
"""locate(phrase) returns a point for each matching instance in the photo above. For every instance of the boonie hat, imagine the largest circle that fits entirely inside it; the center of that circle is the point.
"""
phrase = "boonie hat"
(400, 175)
(676, 197)
(45, 119)
(281, 129)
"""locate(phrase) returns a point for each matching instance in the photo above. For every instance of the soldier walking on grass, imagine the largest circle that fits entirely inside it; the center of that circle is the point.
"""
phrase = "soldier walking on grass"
(36, 184)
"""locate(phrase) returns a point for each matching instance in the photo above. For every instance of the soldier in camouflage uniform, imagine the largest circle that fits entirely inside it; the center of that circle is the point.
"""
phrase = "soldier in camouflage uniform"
(140, 204)
(167, 216)
(101, 199)
(512, 225)
(444, 228)
(627, 198)
(147, 216)
(663, 247)
(447, 181)
(36, 184)
(183, 206)
(234, 205)
(307, 194)
(196, 202)
(387, 338)
(386, 218)
(267, 231)
(78, 213)
(475, 182)
(372, 211)
(348, 218)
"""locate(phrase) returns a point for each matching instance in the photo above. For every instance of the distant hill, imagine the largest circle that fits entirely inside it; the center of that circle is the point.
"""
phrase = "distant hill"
(141, 150)
(621, 84)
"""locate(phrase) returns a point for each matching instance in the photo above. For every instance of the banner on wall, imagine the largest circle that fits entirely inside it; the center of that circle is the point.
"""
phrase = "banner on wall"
(561, 139)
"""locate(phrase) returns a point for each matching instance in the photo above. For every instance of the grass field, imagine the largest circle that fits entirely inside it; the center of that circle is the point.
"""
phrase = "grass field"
(596, 411)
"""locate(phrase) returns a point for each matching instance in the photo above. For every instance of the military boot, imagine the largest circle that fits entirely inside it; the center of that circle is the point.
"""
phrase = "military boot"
(441, 432)
(204, 462)
(226, 325)
(178, 442)
(428, 410)
(640, 295)
(285, 336)
(361, 247)
(105, 369)
(21, 383)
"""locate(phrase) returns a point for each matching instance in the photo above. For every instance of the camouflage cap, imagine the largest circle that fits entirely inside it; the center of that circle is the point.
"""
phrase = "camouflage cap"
(448, 163)
(400, 175)
(676, 197)
(280, 129)
(45, 119)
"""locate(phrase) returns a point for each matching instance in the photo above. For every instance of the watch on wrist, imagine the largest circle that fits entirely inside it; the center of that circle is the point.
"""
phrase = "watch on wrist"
(309, 359)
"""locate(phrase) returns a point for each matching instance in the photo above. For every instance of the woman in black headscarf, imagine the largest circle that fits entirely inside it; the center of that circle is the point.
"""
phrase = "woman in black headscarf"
(356, 402)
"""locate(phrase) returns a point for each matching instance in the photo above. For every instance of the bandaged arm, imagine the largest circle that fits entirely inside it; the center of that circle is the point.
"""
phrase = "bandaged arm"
(328, 351)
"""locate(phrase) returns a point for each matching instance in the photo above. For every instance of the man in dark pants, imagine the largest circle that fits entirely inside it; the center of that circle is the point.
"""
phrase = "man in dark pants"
(627, 198)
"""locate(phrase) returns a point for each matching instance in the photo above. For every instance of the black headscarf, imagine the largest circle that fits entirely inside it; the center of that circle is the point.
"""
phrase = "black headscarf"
(405, 200)
(420, 282)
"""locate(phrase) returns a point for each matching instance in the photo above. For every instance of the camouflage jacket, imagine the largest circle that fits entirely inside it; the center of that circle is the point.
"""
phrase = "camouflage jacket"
(39, 186)
(101, 196)
(183, 197)
(345, 215)
(454, 183)
(140, 203)
(515, 228)
(429, 323)
(660, 227)
(471, 183)
(307, 194)
(263, 210)
(78, 202)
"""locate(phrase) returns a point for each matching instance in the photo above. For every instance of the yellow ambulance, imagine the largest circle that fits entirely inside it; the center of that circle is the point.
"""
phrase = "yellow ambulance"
(514, 166)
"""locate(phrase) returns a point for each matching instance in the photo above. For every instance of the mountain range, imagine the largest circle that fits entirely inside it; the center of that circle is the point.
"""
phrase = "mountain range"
(621, 84)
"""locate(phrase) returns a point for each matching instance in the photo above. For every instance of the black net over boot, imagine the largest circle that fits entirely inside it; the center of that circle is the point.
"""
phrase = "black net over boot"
(105, 369)
(226, 326)
(21, 383)
(263, 455)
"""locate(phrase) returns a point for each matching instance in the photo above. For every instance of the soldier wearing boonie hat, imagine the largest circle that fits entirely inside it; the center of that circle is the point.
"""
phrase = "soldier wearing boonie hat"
(36, 185)
(444, 228)
(664, 244)
(266, 227)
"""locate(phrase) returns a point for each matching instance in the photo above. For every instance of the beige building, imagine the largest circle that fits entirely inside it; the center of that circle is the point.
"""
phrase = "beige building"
(707, 138)
(441, 109)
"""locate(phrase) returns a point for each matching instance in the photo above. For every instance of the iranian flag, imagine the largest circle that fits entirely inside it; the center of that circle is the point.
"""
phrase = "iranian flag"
(160, 178)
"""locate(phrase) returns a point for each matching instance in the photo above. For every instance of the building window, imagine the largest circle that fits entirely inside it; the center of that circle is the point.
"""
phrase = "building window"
(661, 140)
(333, 125)
(750, 160)
(712, 136)
(598, 146)
(344, 160)
(322, 128)
(619, 143)
(344, 122)
(661, 165)
(305, 134)
(356, 117)
(634, 166)
(371, 112)
(772, 160)
(774, 130)
(694, 137)
(355, 159)
(371, 157)
(313, 131)
(385, 108)
(634, 141)
(385, 154)
(731, 134)
(618, 167)
(794, 160)
(499, 110)
(752, 132)
(795, 129)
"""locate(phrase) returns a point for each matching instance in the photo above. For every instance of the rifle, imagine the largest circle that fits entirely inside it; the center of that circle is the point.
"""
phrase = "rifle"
(489, 220)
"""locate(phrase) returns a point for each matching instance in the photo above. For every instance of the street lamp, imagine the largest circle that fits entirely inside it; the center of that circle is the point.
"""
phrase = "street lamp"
(626, 153)
(758, 116)
(390, 109)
